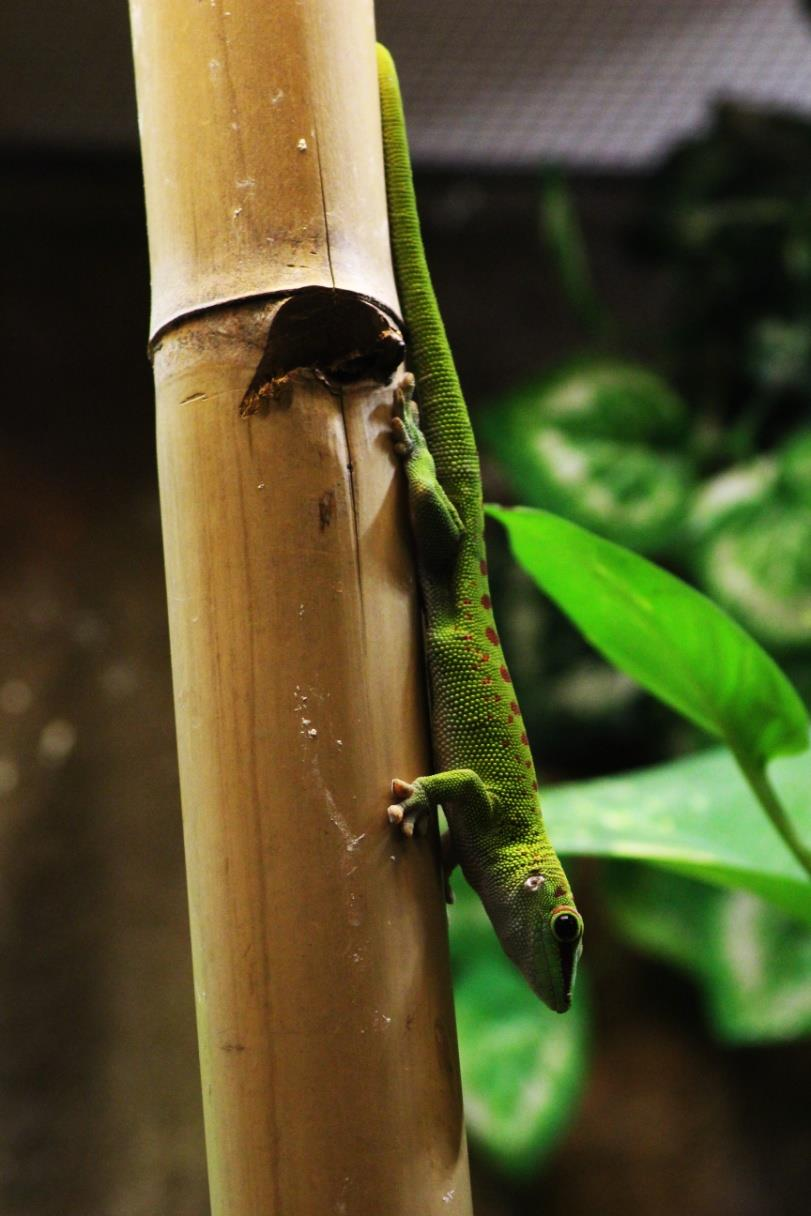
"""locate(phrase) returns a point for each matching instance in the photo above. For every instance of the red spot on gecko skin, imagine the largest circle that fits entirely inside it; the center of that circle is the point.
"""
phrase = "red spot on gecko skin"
(535, 785)
(487, 680)
(560, 892)
(505, 742)
(515, 709)
(491, 635)
(527, 764)
(510, 720)
(484, 658)
(524, 738)
(486, 603)
(483, 566)
(465, 601)
(505, 675)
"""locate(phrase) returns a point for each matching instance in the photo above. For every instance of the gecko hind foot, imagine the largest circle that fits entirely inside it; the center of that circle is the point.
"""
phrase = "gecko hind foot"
(411, 808)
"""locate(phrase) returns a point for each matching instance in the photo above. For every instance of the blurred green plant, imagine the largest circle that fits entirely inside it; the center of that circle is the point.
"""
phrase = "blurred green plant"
(673, 640)
(598, 439)
(695, 817)
(560, 226)
(720, 896)
(523, 1067)
(713, 477)
(728, 216)
(750, 542)
(751, 960)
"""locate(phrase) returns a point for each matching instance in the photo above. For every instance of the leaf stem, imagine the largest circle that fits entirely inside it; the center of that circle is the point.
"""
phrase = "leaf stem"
(764, 791)
(564, 235)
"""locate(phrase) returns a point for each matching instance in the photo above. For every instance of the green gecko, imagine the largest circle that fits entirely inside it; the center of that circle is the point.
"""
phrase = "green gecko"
(486, 784)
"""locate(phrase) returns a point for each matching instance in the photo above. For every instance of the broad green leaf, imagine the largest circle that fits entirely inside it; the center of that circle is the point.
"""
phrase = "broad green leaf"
(759, 568)
(731, 494)
(597, 440)
(760, 985)
(600, 398)
(751, 543)
(664, 914)
(523, 1067)
(795, 460)
(752, 961)
(669, 637)
(695, 816)
(631, 493)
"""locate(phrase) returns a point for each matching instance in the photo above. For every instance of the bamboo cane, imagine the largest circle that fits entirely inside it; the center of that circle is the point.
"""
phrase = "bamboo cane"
(326, 1031)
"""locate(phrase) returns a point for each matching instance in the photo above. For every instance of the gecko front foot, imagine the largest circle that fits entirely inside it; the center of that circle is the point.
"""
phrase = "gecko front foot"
(410, 809)
(411, 813)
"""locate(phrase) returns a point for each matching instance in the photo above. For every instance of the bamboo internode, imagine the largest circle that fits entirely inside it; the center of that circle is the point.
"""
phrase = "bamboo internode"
(260, 139)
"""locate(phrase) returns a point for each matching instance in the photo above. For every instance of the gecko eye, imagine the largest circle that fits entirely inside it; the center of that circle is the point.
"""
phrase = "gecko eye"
(566, 925)
(534, 882)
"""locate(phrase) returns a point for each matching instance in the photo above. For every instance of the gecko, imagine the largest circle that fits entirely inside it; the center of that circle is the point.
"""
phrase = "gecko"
(485, 781)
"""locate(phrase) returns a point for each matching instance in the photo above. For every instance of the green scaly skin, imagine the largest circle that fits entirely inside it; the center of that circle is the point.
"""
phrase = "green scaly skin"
(486, 784)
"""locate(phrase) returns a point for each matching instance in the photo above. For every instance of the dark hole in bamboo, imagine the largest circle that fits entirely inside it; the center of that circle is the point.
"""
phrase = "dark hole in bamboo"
(339, 336)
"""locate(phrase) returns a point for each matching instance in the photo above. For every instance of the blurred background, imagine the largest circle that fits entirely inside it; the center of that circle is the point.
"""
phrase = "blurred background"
(617, 208)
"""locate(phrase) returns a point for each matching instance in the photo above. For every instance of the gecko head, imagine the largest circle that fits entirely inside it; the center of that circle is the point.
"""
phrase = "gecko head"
(543, 935)
(559, 944)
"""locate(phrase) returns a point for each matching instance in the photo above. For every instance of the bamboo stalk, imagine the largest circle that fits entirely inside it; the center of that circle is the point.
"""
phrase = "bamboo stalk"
(325, 1023)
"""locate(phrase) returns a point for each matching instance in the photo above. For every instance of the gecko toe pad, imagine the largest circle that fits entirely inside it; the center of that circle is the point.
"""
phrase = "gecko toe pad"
(410, 810)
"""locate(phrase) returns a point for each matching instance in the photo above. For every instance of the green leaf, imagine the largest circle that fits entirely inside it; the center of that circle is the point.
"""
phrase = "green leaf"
(759, 987)
(605, 398)
(629, 492)
(795, 460)
(751, 543)
(597, 439)
(695, 816)
(663, 914)
(759, 567)
(752, 961)
(669, 637)
(731, 494)
(523, 1067)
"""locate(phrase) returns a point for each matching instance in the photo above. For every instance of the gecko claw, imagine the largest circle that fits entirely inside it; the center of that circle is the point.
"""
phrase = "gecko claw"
(415, 822)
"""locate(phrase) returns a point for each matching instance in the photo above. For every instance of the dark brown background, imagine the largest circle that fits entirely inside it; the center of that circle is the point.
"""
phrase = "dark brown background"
(99, 1103)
